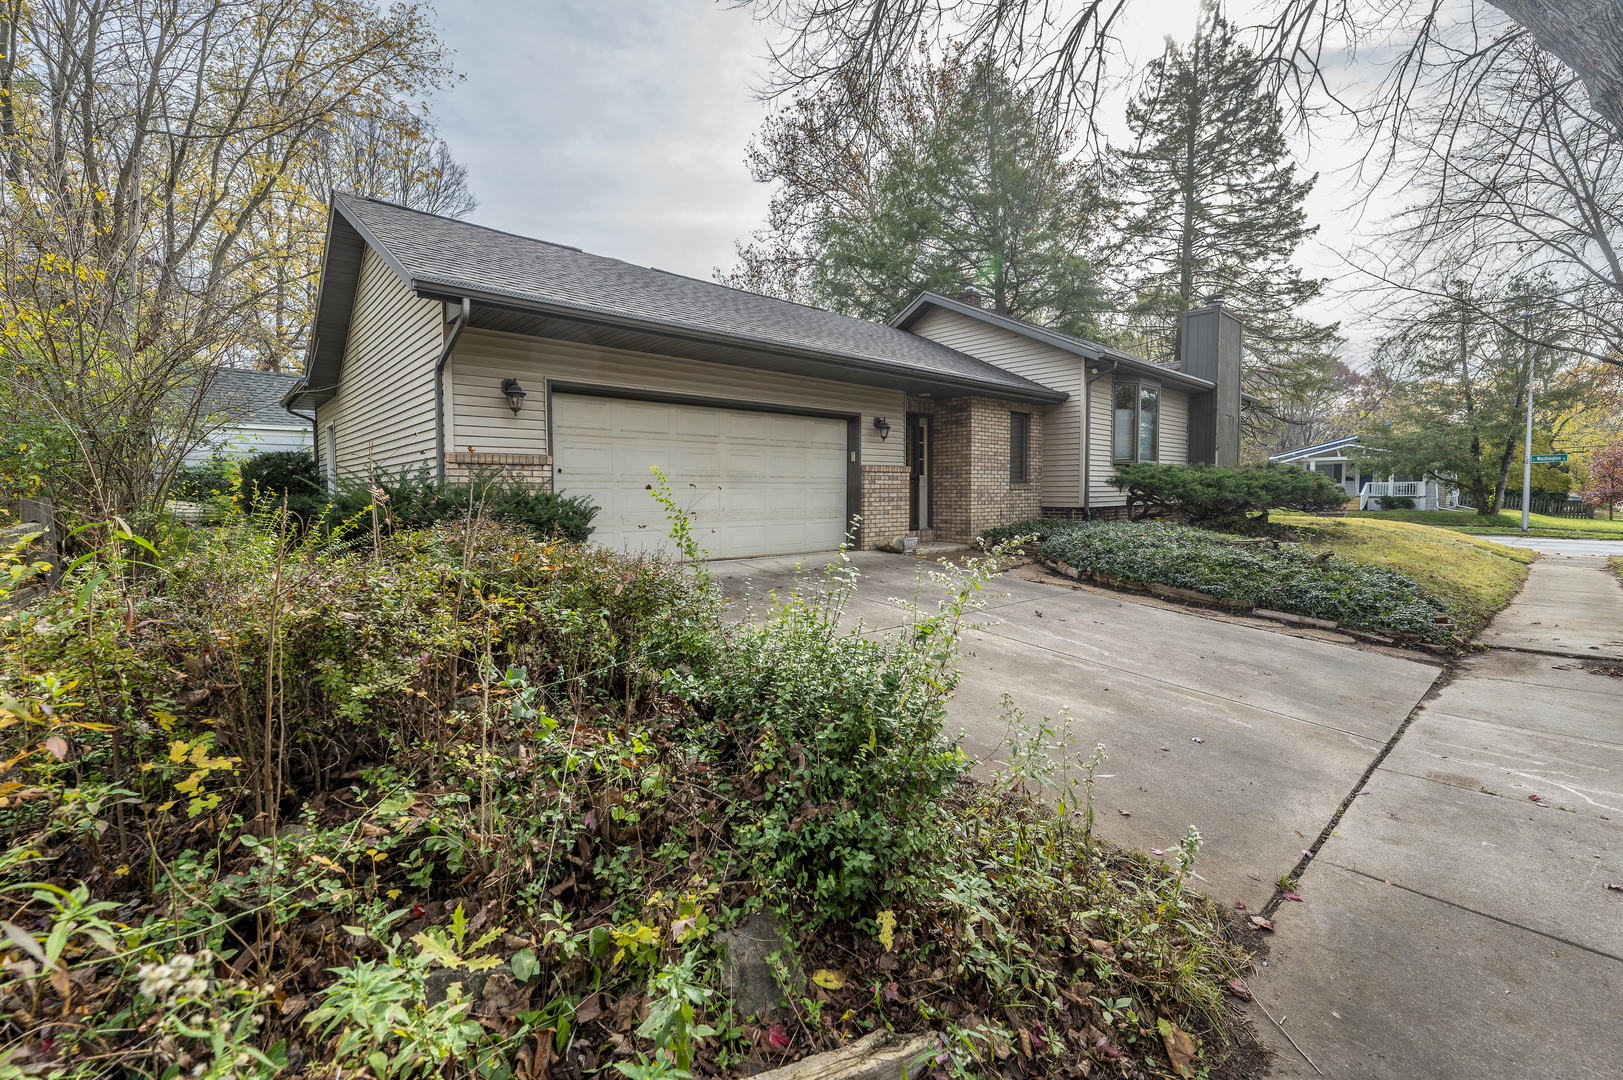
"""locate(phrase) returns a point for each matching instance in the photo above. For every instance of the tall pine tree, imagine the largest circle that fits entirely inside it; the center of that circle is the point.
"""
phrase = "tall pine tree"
(1219, 209)
(966, 180)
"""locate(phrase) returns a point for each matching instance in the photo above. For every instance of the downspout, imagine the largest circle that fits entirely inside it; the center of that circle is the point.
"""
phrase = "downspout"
(457, 327)
(1087, 435)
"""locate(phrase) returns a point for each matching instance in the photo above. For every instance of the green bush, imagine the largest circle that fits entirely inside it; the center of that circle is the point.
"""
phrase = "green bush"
(418, 500)
(1207, 494)
(1396, 502)
(840, 740)
(206, 482)
(1283, 577)
(274, 475)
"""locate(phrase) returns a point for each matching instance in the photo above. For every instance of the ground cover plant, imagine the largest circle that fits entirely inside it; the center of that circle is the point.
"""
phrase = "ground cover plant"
(1251, 571)
(1474, 577)
(460, 801)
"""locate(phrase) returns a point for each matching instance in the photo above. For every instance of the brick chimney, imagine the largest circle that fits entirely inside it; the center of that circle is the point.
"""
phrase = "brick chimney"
(971, 296)
(1211, 342)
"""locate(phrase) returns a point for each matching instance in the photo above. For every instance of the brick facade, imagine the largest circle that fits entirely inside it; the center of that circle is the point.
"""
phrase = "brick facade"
(971, 475)
(885, 504)
(535, 470)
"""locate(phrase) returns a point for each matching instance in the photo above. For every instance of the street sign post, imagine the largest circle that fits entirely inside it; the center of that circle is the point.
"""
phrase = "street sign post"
(1540, 459)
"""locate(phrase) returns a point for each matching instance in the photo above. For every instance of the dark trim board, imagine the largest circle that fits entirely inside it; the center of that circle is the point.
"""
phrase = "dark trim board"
(853, 429)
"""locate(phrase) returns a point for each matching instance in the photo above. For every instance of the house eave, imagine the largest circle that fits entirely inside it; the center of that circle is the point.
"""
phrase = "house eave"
(772, 355)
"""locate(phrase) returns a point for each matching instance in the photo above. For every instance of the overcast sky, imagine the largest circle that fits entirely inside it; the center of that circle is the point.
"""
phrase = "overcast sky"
(620, 126)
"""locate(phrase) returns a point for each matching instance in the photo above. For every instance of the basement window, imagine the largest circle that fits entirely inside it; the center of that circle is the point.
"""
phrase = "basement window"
(1137, 424)
(1019, 447)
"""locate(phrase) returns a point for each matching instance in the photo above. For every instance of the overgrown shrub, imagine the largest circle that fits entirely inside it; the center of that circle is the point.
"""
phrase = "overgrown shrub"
(1209, 495)
(842, 743)
(206, 482)
(1283, 577)
(271, 476)
(416, 500)
(1396, 502)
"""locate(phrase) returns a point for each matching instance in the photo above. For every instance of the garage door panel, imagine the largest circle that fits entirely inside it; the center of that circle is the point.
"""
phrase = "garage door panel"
(753, 482)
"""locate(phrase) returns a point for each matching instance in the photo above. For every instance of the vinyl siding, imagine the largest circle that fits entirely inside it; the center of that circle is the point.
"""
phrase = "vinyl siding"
(385, 400)
(1174, 438)
(1053, 368)
(482, 422)
(239, 440)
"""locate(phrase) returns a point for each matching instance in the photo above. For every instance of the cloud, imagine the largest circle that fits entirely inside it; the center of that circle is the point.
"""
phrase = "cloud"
(617, 126)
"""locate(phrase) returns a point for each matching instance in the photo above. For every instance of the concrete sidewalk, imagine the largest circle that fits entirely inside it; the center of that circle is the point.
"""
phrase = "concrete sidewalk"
(1457, 922)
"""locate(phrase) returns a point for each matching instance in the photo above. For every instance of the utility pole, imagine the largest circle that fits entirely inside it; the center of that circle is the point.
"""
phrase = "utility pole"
(1527, 451)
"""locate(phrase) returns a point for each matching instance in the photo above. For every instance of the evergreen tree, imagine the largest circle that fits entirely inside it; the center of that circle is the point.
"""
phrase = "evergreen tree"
(1219, 209)
(966, 181)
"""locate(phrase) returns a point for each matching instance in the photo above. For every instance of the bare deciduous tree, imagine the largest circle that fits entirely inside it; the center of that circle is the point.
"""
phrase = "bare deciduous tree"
(147, 150)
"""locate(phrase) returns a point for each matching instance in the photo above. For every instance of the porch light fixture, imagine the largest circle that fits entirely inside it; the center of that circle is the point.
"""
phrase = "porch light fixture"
(881, 425)
(514, 393)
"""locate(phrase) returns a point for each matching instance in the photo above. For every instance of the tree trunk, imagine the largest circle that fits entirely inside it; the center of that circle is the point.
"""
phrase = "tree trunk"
(1587, 35)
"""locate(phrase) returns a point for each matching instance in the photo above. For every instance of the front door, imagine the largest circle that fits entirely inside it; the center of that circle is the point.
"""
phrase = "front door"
(920, 447)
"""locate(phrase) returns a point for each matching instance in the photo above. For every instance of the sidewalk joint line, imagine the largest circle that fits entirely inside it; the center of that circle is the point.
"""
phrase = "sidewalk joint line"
(1444, 677)
(1501, 920)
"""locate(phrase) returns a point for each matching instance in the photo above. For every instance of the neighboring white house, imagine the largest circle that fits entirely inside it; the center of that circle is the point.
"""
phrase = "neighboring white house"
(250, 402)
(1332, 459)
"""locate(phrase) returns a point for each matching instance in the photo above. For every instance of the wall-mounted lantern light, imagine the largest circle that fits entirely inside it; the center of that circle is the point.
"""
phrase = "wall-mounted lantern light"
(881, 425)
(514, 393)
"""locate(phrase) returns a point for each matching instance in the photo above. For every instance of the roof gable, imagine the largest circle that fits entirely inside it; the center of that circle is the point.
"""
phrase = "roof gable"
(1079, 346)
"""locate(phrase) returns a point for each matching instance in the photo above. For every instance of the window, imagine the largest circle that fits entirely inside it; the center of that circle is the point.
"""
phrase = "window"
(1019, 447)
(1136, 434)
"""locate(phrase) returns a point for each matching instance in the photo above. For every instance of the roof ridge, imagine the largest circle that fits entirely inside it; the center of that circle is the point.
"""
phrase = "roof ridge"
(470, 224)
(614, 259)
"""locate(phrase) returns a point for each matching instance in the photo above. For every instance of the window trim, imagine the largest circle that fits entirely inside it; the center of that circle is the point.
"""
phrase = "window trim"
(1023, 474)
(1135, 454)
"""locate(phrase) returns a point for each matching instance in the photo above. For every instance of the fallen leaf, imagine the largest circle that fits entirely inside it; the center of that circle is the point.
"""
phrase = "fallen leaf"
(887, 929)
(1180, 1047)
(1260, 923)
(778, 1037)
(58, 746)
(1239, 905)
(1239, 989)
(1614, 886)
(1156, 851)
(589, 1010)
(1286, 894)
(828, 980)
(892, 993)
(1125, 813)
(1102, 947)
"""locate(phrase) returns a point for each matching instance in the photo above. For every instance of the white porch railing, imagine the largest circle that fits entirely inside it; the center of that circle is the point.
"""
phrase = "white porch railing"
(1425, 493)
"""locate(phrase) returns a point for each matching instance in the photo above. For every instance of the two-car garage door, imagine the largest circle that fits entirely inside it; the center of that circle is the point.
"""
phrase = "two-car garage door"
(754, 483)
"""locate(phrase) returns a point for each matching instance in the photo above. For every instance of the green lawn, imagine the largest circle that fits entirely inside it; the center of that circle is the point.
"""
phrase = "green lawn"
(1476, 577)
(1506, 521)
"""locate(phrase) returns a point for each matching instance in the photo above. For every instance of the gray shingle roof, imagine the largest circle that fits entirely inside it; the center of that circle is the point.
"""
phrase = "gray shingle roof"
(251, 397)
(437, 254)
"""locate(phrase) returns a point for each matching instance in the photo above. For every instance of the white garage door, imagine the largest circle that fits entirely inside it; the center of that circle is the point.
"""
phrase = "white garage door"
(755, 483)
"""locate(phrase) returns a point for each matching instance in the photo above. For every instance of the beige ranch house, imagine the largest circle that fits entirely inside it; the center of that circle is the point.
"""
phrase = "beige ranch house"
(445, 346)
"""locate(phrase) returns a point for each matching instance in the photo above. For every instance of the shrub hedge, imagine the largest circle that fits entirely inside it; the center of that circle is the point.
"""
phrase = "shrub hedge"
(1282, 577)
(1207, 494)
(418, 500)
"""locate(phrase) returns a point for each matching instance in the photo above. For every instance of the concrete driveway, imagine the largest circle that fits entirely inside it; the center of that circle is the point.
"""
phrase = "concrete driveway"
(1252, 736)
